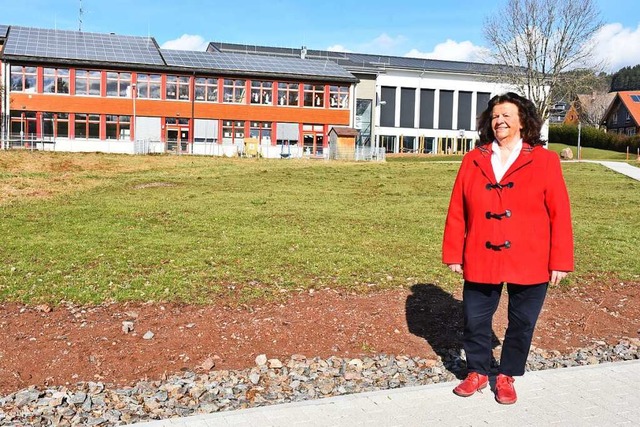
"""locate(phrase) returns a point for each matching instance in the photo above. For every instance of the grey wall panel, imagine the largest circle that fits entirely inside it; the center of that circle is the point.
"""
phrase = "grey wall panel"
(427, 97)
(288, 131)
(388, 106)
(445, 116)
(407, 107)
(464, 110)
(205, 129)
(148, 128)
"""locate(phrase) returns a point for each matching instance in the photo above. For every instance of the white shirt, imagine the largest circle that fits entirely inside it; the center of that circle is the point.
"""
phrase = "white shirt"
(498, 168)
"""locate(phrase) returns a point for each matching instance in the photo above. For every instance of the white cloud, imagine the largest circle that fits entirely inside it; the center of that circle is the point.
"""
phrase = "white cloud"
(384, 44)
(454, 51)
(186, 42)
(617, 46)
(338, 48)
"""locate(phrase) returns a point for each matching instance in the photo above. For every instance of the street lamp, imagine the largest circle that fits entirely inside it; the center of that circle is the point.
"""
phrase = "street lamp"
(134, 95)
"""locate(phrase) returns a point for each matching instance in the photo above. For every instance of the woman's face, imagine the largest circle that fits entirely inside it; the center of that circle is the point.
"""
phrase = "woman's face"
(505, 122)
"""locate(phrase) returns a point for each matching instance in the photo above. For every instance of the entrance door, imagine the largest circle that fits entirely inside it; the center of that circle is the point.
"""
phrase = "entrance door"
(312, 144)
(177, 139)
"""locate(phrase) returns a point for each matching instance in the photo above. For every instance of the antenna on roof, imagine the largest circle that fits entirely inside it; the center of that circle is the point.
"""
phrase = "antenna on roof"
(80, 13)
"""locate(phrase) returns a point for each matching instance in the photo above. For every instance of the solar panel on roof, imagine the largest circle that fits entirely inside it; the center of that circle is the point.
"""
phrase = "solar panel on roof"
(254, 63)
(635, 98)
(3, 30)
(64, 44)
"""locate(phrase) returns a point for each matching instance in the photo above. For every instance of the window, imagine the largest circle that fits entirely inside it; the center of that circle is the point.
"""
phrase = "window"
(149, 86)
(23, 79)
(177, 87)
(338, 97)
(88, 82)
(261, 92)
(87, 126)
(206, 89)
(118, 84)
(234, 91)
(55, 125)
(314, 95)
(232, 131)
(288, 94)
(261, 131)
(23, 125)
(118, 127)
(388, 143)
(56, 80)
(635, 98)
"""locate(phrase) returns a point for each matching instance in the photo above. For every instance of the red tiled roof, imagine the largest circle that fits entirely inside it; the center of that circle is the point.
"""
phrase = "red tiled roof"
(632, 106)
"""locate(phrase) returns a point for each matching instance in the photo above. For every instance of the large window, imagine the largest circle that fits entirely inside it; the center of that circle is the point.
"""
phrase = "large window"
(118, 84)
(23, 125)
(88, 82)
(149, 86)
(314, 95)
(56, 80)
(118, 127)
(23, 79)
(261, 92)
(288, 94)
(55, 125)
(261, 131)
(87, 126)
(338, 97)
(206, 89)
(232, 131)
(234, 91)
(177, 87)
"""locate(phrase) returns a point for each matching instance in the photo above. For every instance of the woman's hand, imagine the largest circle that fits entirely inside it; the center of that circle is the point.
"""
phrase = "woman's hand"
(456, 268)
(557, 276)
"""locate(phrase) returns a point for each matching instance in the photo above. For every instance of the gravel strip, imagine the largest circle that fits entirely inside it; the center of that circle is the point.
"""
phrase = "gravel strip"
(269, 382)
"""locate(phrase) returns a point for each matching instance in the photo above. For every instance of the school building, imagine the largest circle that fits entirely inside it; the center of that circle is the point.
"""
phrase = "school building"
(77, 91)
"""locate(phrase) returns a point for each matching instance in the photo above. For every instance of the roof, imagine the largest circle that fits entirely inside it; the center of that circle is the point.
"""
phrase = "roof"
(30, 44)
(26, 42)
(631, 100)
(256, 64)
(344, 131)
(362, 61)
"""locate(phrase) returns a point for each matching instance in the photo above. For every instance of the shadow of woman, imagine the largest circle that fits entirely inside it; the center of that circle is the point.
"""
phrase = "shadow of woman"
(436, 316)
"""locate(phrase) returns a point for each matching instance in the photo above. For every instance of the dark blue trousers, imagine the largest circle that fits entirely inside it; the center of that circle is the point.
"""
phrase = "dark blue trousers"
(479, 303)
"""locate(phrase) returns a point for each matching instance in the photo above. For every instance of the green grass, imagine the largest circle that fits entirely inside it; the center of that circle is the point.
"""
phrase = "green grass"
(195, 229)
(593, 153)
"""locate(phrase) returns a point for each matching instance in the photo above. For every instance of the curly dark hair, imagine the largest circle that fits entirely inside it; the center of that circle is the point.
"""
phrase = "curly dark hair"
(529, 118)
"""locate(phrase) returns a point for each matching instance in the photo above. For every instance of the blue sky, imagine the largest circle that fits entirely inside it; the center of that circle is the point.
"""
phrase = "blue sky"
(437, 29)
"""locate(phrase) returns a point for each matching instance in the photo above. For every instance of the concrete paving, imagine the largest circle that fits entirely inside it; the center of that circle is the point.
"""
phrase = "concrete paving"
(597, 395)
(620, 167)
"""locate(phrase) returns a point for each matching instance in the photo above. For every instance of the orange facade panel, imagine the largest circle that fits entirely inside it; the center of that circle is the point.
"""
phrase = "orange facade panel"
(160, 108)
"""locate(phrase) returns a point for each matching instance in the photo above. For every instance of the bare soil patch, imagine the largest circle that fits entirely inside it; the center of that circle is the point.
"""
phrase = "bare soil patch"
(45, 345)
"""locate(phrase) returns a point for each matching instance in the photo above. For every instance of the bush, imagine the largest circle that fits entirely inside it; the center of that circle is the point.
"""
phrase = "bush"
(593, 138)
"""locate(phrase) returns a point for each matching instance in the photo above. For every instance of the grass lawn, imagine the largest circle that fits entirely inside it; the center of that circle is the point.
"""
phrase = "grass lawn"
(90, 228)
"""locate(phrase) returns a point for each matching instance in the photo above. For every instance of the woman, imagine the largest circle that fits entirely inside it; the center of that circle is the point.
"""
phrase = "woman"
(508, 222)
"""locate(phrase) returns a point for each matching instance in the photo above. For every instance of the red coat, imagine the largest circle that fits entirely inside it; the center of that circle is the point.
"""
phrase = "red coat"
(516, 233)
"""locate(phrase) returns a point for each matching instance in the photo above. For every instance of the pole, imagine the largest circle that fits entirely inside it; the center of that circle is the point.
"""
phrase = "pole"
(134, 94)
(579, 132)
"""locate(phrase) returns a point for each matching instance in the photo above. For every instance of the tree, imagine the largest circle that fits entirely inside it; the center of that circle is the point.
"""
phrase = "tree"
(538, 40)
(627, 78)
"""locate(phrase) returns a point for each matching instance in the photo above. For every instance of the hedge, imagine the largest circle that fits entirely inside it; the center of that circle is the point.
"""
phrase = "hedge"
(592, 137)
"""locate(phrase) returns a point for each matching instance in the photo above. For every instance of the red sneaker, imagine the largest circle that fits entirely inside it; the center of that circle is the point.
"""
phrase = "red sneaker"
(505, 393)
(474, 382)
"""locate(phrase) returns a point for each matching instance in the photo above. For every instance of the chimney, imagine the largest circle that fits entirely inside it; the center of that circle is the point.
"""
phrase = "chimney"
(303, 52)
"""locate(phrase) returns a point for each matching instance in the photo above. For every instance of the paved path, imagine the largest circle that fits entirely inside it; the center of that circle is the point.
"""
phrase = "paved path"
(599, 395)
(620, 167)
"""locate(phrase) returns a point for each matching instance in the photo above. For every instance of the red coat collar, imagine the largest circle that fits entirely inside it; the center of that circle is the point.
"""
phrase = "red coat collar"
(484, 161)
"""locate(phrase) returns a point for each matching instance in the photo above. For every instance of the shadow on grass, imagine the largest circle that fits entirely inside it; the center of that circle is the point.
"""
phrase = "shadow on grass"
(436, 316)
